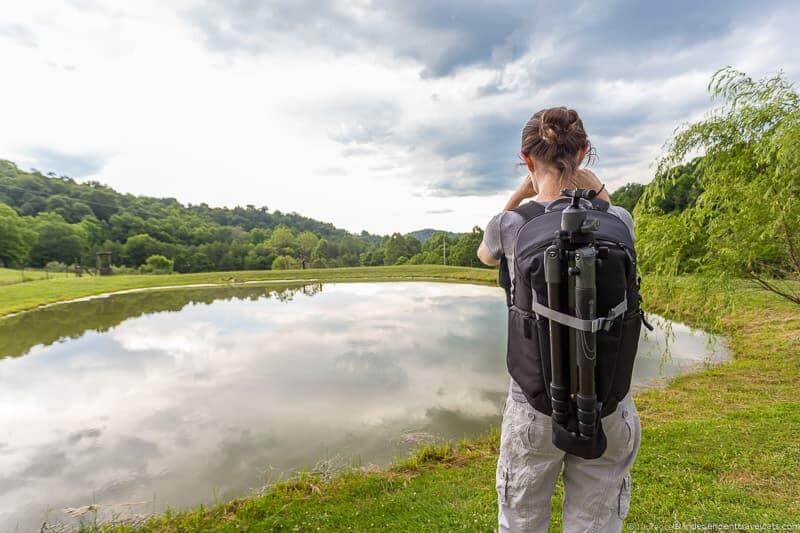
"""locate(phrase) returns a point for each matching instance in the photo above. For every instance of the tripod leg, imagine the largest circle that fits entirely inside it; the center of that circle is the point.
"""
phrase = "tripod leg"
(559, 388)
(586, 308)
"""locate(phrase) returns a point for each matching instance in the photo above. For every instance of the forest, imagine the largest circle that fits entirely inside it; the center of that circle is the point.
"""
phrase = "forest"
(57, 222)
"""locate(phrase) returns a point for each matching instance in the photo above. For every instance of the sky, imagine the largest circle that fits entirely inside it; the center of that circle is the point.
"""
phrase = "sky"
(377, 115)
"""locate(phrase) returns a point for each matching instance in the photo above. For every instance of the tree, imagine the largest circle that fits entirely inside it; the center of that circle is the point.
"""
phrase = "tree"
(306, 242)
(139, 247)
(628, 195)
(749, 204)
(68, 208)
(93, 230)
(285, 262)
(56, 240)
(674, 190)
(282, 241)
(102, 200)
(435, 248)
(200, 262)
(397, 246)
(260, 257)
(32, 205)
(158, 264)
(465, 251)
(15, 239)
(123, 225)
(321, 250)
(373, 257)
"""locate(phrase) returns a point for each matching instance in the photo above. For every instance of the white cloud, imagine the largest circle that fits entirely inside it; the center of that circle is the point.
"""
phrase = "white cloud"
(364, 130)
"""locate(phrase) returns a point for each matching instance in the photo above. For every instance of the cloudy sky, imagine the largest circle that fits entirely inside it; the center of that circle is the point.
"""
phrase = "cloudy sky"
(382, 115)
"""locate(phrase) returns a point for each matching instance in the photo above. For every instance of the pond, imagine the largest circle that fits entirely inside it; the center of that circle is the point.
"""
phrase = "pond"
(159, 399)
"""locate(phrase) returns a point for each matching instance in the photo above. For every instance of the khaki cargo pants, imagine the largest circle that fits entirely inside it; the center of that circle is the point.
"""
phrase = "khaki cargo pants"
(597, 492)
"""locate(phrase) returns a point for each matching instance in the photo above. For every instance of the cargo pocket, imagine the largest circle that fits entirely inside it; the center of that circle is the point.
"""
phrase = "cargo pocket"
(502, 482)
(526, 431)
(624, 497)
(506, 454)
(626, 417)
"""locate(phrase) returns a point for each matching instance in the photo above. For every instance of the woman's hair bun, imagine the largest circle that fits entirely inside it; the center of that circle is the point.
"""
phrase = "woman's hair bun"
(556, 136)
(556, 123)
(548, 133)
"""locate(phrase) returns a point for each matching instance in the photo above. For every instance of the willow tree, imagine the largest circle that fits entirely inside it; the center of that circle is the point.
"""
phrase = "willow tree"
(749, 208)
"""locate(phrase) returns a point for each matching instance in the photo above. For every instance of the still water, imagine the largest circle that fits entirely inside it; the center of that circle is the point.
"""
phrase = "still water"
(174, 398)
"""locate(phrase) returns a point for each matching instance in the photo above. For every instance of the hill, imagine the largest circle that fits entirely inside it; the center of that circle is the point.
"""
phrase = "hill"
(49, 219)
(423, 235)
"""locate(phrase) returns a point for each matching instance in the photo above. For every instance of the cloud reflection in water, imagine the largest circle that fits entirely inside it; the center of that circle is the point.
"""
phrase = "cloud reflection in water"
(212, 396)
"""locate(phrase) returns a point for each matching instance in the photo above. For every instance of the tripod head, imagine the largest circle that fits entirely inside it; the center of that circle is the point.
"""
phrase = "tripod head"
(574, 218)
(577, 194)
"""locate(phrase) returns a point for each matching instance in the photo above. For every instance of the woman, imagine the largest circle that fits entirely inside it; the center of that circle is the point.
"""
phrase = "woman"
(596, 492)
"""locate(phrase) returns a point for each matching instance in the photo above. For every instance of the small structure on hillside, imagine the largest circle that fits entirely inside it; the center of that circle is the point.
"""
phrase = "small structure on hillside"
(103, 263)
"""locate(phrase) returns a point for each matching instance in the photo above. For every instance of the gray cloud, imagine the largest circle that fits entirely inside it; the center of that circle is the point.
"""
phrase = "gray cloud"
(84, 434)
(362, 122)
(73, 165)
(479, 156)
(19, 34)
(532, 55)
(442, 35)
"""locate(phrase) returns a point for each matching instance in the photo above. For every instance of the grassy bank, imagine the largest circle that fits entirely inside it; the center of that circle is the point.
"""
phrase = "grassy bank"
(10, 276)
(24, 296)
(719, 446)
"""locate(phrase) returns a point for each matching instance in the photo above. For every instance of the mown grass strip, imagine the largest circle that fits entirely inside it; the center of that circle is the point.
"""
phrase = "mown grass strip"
(25, 296)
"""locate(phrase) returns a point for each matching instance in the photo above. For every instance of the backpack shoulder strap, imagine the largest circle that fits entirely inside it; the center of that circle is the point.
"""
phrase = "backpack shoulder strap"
(597, 204)
(528, 211)
(600, 205)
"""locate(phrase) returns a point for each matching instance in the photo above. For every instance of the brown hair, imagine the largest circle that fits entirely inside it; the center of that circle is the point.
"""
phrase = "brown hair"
(556, 136)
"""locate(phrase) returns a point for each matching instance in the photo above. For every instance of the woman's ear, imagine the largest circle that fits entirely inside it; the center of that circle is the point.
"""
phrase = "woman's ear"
(582, 153)
(528, 163)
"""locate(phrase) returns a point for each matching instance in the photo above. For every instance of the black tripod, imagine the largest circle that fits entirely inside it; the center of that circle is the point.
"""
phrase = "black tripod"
(570, 266)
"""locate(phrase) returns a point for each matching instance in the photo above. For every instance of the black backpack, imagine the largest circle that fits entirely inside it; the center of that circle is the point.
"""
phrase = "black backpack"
(614, 330)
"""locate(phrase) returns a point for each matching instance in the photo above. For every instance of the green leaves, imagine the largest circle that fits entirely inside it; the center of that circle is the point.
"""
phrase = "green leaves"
(15, 239)
(734, 210)
(628, 195)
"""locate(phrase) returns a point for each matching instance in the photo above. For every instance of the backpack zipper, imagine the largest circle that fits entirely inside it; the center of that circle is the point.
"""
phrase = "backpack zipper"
(625, 248)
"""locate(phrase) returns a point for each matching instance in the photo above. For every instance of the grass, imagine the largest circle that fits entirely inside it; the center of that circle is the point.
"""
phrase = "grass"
(9, 276)
(24, 296)
(721, 446)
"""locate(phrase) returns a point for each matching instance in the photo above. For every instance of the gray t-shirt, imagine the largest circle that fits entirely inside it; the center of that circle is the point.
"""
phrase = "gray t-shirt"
(499, 240)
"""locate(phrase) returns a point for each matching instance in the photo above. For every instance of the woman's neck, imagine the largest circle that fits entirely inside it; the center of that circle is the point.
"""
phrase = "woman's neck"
(549, 185)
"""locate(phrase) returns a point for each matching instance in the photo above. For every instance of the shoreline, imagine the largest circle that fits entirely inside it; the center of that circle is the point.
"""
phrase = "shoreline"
(31, 295)
(720, 444)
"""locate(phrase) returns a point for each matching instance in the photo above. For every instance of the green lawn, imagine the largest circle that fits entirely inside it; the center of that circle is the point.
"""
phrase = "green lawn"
(10, 277)
(24, 296)
(719, 446)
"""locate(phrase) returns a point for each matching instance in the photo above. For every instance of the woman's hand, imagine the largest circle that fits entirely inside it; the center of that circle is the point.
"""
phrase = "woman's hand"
(589, 180)
(525, 190)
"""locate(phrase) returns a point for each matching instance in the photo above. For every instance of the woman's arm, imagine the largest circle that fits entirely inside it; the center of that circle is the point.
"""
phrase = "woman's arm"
(525, 190)
(486, 256)
(490, 255)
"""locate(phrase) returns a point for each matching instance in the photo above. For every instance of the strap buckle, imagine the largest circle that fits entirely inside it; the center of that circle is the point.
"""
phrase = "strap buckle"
(593, 326)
